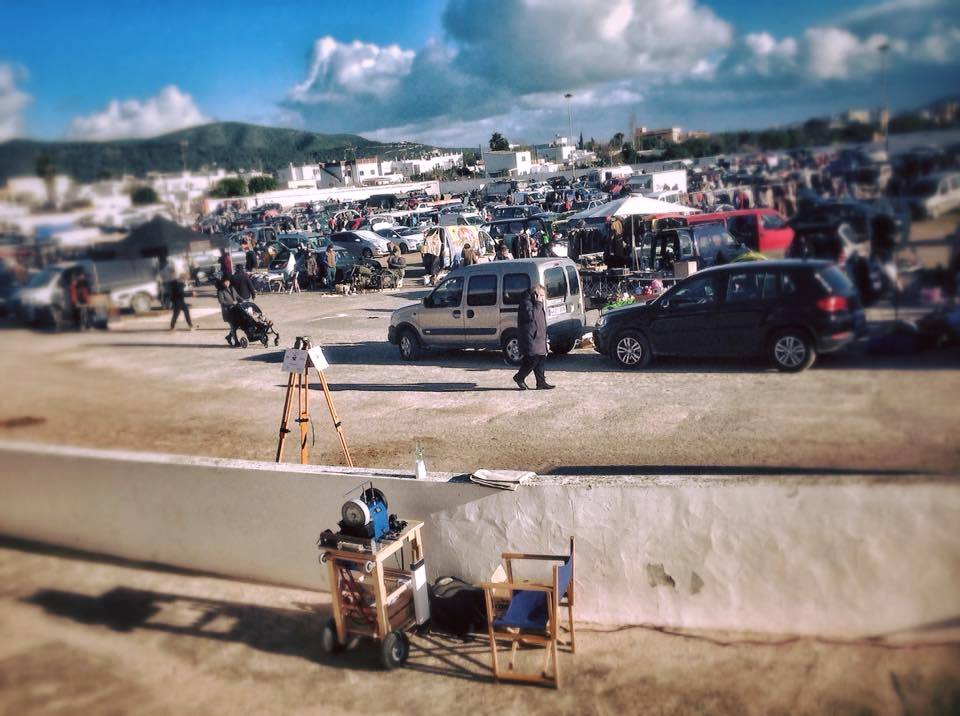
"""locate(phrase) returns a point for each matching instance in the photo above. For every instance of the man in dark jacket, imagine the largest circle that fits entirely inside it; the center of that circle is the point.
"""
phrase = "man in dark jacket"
(178, 302)
(243, 285)
(228, 298)
(532, 324)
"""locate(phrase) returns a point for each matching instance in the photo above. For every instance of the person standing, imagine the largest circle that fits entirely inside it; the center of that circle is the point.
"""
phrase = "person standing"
(397, 264)
(331, 262)
(243, 285)
(292, 271)
(532, 324)
(178, 302)
(469, 255)
(226, 263)
(313, 271)
(227, 297)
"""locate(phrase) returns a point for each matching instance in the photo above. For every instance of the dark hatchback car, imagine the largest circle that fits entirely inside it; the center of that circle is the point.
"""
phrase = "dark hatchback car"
(788, 310)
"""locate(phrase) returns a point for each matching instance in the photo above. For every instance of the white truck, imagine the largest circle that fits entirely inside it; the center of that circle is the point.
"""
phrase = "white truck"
(130, 283)
(647, 184)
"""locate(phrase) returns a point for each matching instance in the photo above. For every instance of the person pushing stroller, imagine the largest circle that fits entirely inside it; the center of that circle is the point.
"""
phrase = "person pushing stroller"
(228, 298)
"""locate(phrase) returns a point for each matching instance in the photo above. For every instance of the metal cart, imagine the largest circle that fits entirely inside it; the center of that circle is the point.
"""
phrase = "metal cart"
(373, 600)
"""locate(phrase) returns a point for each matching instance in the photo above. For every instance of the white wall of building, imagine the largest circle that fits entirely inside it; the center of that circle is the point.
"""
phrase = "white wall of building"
(34, 190)
(512, 163)
(845, 556)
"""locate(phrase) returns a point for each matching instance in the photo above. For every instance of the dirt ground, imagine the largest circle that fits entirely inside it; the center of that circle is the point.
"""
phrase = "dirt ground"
(80, 636)
(140, 387)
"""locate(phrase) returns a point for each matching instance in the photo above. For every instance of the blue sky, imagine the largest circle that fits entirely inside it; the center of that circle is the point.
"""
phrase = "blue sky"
(452, 71)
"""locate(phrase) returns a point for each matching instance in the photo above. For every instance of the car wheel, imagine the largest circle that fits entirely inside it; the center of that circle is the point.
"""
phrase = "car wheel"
(631, 350)
(367, 254)
(511, 348)
(408, 344)
(140, 303)
(404, 247)
(562, 346)
(792, 351)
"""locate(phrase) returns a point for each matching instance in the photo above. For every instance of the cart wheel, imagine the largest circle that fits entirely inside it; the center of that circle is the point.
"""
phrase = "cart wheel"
(394, 650)
(264, 341)
(323, 558)
(328, 639)
(244, 342)
(276, 341)
(368, 567)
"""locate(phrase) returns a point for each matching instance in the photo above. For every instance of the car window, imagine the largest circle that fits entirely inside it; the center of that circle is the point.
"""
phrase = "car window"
(788, 285)
(743, 287)
(514, 285)
(555, 283)
(699, 291)
(573, 279)
(482, 291)
(772, 221)
(768, 285)
(448, 294)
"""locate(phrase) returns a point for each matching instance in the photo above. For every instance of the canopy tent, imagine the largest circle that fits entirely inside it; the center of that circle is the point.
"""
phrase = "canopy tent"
(160, 238)
(631, 205)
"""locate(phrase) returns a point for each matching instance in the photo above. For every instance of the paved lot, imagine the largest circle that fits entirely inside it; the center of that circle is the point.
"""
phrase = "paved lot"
(91, 637)
(138, 386)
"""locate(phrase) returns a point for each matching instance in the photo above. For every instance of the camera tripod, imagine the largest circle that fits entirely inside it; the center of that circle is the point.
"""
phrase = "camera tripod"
(299, 382)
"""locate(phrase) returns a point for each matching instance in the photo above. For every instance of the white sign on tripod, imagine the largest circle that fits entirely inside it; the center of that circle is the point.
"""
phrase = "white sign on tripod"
(317, 358)
(294, 360)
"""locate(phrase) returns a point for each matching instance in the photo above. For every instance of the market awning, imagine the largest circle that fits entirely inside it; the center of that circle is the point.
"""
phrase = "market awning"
(632, 205)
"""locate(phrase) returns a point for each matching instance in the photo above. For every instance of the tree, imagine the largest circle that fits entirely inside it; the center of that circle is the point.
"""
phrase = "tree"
(498, 143)
(262, 183)
(580, 143)
(616, 144)
(46, 168)
(231, 186)
(144, 195)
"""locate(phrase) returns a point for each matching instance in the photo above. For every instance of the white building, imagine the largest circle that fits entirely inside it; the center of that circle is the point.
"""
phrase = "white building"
(559, 151)
(304, 176)
(33, 190)
(429, 163)
(497, 164)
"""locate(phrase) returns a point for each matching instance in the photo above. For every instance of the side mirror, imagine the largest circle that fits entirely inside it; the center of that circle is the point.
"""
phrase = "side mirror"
(426, 302)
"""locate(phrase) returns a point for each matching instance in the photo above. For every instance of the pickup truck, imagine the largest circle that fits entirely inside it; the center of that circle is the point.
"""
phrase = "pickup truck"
(131, 284)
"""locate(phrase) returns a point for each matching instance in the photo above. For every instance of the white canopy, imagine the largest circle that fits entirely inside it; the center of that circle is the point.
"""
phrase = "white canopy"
(633, 205)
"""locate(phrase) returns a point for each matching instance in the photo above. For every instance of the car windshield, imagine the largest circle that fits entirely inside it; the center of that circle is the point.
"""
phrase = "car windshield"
(43, 278)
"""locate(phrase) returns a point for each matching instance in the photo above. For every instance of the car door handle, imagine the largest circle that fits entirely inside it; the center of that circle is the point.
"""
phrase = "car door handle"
(469, 314)
(456, 314)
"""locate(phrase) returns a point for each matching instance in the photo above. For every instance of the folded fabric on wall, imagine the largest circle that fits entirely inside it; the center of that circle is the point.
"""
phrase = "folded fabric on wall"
(502, 479)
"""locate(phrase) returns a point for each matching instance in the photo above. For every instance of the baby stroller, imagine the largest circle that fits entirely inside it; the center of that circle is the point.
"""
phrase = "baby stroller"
(248, 317)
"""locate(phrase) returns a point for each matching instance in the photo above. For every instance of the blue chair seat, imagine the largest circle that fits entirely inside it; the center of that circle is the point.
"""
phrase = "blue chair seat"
(527, 610)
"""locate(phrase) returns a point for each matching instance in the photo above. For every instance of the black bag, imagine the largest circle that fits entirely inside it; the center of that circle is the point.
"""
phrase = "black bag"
(457, 607)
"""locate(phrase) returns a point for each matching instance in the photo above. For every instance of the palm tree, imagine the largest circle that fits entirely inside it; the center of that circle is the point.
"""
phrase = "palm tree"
(46, 169)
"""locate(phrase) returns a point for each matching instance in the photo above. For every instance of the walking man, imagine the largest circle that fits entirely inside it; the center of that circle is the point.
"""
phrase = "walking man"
(532, 324)
(178, 302)
(331, 262)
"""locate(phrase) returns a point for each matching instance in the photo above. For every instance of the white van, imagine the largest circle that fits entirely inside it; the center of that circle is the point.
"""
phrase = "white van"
(476, 307)
(936, 194)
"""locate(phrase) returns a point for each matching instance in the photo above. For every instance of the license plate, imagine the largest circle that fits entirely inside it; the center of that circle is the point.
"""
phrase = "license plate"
(557, 310)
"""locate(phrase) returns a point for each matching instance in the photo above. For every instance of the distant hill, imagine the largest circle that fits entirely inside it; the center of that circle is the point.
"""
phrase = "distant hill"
(230, 145)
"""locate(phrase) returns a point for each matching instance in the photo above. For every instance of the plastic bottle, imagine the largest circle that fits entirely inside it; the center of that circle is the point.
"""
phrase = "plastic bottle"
(421, 467)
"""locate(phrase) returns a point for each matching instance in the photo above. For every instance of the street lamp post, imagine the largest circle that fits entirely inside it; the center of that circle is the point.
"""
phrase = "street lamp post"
(884, 49)
(568, 96)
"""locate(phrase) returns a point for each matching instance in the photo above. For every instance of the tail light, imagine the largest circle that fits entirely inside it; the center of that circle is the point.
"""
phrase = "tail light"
(833, 304)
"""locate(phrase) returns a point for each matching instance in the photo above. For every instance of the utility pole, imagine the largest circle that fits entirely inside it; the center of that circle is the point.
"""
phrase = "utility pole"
(885, 116)
(568, 96)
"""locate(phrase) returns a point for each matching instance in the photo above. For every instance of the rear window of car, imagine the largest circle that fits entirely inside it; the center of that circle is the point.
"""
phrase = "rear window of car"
(482, 291)
(555, 283)
(772, 221)
(834, 281)
(573, 279)
(514, 284)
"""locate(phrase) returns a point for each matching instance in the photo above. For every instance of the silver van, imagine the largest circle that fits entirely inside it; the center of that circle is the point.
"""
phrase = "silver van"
(476, 307)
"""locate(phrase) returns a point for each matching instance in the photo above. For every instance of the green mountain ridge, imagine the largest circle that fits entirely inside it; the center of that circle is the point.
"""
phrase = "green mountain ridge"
(228, 145)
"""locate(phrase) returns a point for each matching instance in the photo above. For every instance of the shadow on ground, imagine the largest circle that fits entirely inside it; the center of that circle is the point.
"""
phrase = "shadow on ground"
(289, 632)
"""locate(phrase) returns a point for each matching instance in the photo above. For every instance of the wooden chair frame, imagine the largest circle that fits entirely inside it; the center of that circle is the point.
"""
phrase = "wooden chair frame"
(550, 638)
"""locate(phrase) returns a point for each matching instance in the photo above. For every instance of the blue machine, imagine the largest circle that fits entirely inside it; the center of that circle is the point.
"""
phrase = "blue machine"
(366, 516)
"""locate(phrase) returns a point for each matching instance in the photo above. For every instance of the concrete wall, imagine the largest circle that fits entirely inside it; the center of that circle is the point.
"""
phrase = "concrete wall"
(826, 555)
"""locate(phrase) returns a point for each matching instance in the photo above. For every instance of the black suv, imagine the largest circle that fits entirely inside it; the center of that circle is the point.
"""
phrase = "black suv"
(789, 310)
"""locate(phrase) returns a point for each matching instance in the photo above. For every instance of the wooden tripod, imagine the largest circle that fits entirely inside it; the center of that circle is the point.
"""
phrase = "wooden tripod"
(299, 382)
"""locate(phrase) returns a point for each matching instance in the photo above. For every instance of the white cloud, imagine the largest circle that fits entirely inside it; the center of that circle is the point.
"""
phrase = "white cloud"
(766, 55)
(338, 70)
(837, 54)
(941, 46)
(170, 109)
(13, 101)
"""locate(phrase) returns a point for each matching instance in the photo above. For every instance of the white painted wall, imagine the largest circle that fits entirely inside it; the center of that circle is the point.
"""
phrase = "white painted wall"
(815, 555)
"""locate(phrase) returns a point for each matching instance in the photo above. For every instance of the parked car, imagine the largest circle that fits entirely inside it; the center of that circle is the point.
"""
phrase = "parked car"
(789, 310)
(763, 230)
(361, 243)
(476, 307)
(408, 242)
(707, 244)
(934, 195)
